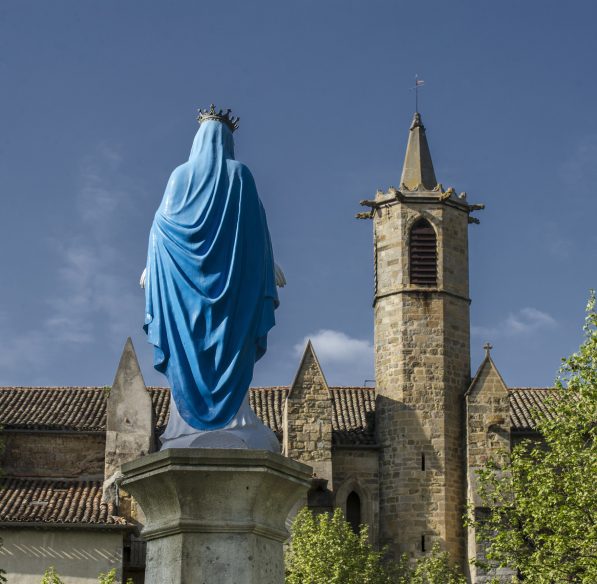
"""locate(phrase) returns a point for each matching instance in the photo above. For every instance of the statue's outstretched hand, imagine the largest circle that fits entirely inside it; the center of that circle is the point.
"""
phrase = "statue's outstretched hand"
(143, 278)
(280, 277)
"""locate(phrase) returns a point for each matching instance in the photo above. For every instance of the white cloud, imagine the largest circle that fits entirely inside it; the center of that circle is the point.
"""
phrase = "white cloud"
(344, 359)
(525, 321)
(92, 272)
(93, 296)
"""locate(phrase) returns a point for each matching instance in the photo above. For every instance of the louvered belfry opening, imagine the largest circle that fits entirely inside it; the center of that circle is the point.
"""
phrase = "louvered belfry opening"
(423, 254)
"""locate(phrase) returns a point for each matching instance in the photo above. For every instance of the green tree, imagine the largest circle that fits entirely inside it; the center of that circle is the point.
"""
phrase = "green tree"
(435, 568)
(51, 577)
(542, 498)
(325, 550)
(110, 578)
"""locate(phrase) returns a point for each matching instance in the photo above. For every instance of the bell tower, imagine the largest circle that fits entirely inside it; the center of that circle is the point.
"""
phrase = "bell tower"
(422, 354)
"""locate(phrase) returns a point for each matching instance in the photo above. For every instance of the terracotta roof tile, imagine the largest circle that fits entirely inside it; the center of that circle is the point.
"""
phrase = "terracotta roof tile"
(55, 501)
(268, 404)
(525, 403)
(84, 409)
(53, 408)
(353, 415)
(160, 398)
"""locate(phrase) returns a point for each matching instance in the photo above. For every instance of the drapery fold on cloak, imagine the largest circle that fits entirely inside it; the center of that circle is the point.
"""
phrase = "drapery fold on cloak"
(210, 287)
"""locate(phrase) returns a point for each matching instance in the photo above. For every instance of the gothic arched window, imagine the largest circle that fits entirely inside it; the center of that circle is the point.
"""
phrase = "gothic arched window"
(423, 254)
(353, 511)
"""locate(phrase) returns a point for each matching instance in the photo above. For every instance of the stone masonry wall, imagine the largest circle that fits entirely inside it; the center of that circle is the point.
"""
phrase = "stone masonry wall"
(487, 436)
(39, 454)
(422, 371)
(358, 470)
(308, 418)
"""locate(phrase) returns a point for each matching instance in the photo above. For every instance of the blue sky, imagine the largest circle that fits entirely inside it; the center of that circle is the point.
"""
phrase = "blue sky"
(98, 106)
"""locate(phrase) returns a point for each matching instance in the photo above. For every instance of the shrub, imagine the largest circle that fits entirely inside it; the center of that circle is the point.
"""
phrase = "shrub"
(51, 577)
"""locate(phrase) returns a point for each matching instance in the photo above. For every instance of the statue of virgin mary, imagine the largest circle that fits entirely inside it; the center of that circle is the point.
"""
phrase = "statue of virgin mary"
(210, 288)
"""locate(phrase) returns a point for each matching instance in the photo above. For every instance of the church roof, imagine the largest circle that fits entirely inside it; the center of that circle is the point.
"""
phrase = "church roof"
(525, 405)
(53, 502)
(353, 421)
(83, 409)
(80, 409)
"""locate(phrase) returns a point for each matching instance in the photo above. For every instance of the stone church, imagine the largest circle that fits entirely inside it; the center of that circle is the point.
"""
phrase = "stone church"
(400, 457)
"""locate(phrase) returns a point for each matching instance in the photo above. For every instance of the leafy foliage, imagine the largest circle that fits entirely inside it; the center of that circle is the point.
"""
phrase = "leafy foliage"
(51, 577)
(432, 569)
(325, 550)
(110, 578)
(542, 499)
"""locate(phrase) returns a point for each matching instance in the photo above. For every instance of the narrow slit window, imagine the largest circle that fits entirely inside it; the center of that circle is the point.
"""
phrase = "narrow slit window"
(423, 544)
(423, 254)
(353, 511)
(422, 461)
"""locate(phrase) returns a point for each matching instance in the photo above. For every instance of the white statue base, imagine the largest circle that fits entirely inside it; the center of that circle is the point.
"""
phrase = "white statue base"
(245, 430)
(215, 516)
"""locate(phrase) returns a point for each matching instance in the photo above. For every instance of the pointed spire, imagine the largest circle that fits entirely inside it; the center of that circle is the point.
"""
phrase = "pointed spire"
(417, 172)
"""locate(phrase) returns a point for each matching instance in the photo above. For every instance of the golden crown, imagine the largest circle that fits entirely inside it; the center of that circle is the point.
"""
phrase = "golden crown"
(219, 116)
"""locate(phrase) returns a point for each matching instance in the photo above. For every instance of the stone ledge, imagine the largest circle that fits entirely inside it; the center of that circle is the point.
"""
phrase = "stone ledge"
(192, 526)
(198, 458)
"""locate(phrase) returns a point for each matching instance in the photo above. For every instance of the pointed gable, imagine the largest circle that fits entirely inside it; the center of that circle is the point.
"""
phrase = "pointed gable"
(487, 413)
(487, 379)
(308, 413)
(129, 414)
(309, 378)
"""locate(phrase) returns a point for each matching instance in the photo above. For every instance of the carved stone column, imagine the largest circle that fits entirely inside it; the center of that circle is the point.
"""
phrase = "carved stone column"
(213, 515)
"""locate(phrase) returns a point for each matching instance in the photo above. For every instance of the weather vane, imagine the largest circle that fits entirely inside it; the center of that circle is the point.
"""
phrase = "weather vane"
(418, 83)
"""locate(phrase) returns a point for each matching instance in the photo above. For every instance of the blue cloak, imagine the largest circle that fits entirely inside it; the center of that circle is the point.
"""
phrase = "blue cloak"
(210, 284)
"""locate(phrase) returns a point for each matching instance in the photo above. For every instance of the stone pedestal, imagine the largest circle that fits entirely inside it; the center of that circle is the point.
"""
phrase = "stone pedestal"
(215, 516)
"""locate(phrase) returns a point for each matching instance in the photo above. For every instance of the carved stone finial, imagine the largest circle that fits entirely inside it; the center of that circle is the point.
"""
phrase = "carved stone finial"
(219, 116)
(487, 347)
(417, 123)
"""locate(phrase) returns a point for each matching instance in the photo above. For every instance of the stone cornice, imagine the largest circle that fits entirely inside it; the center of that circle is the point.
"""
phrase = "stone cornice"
(439, 197)
(419, 290)
(182, 458)
(190, 526)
